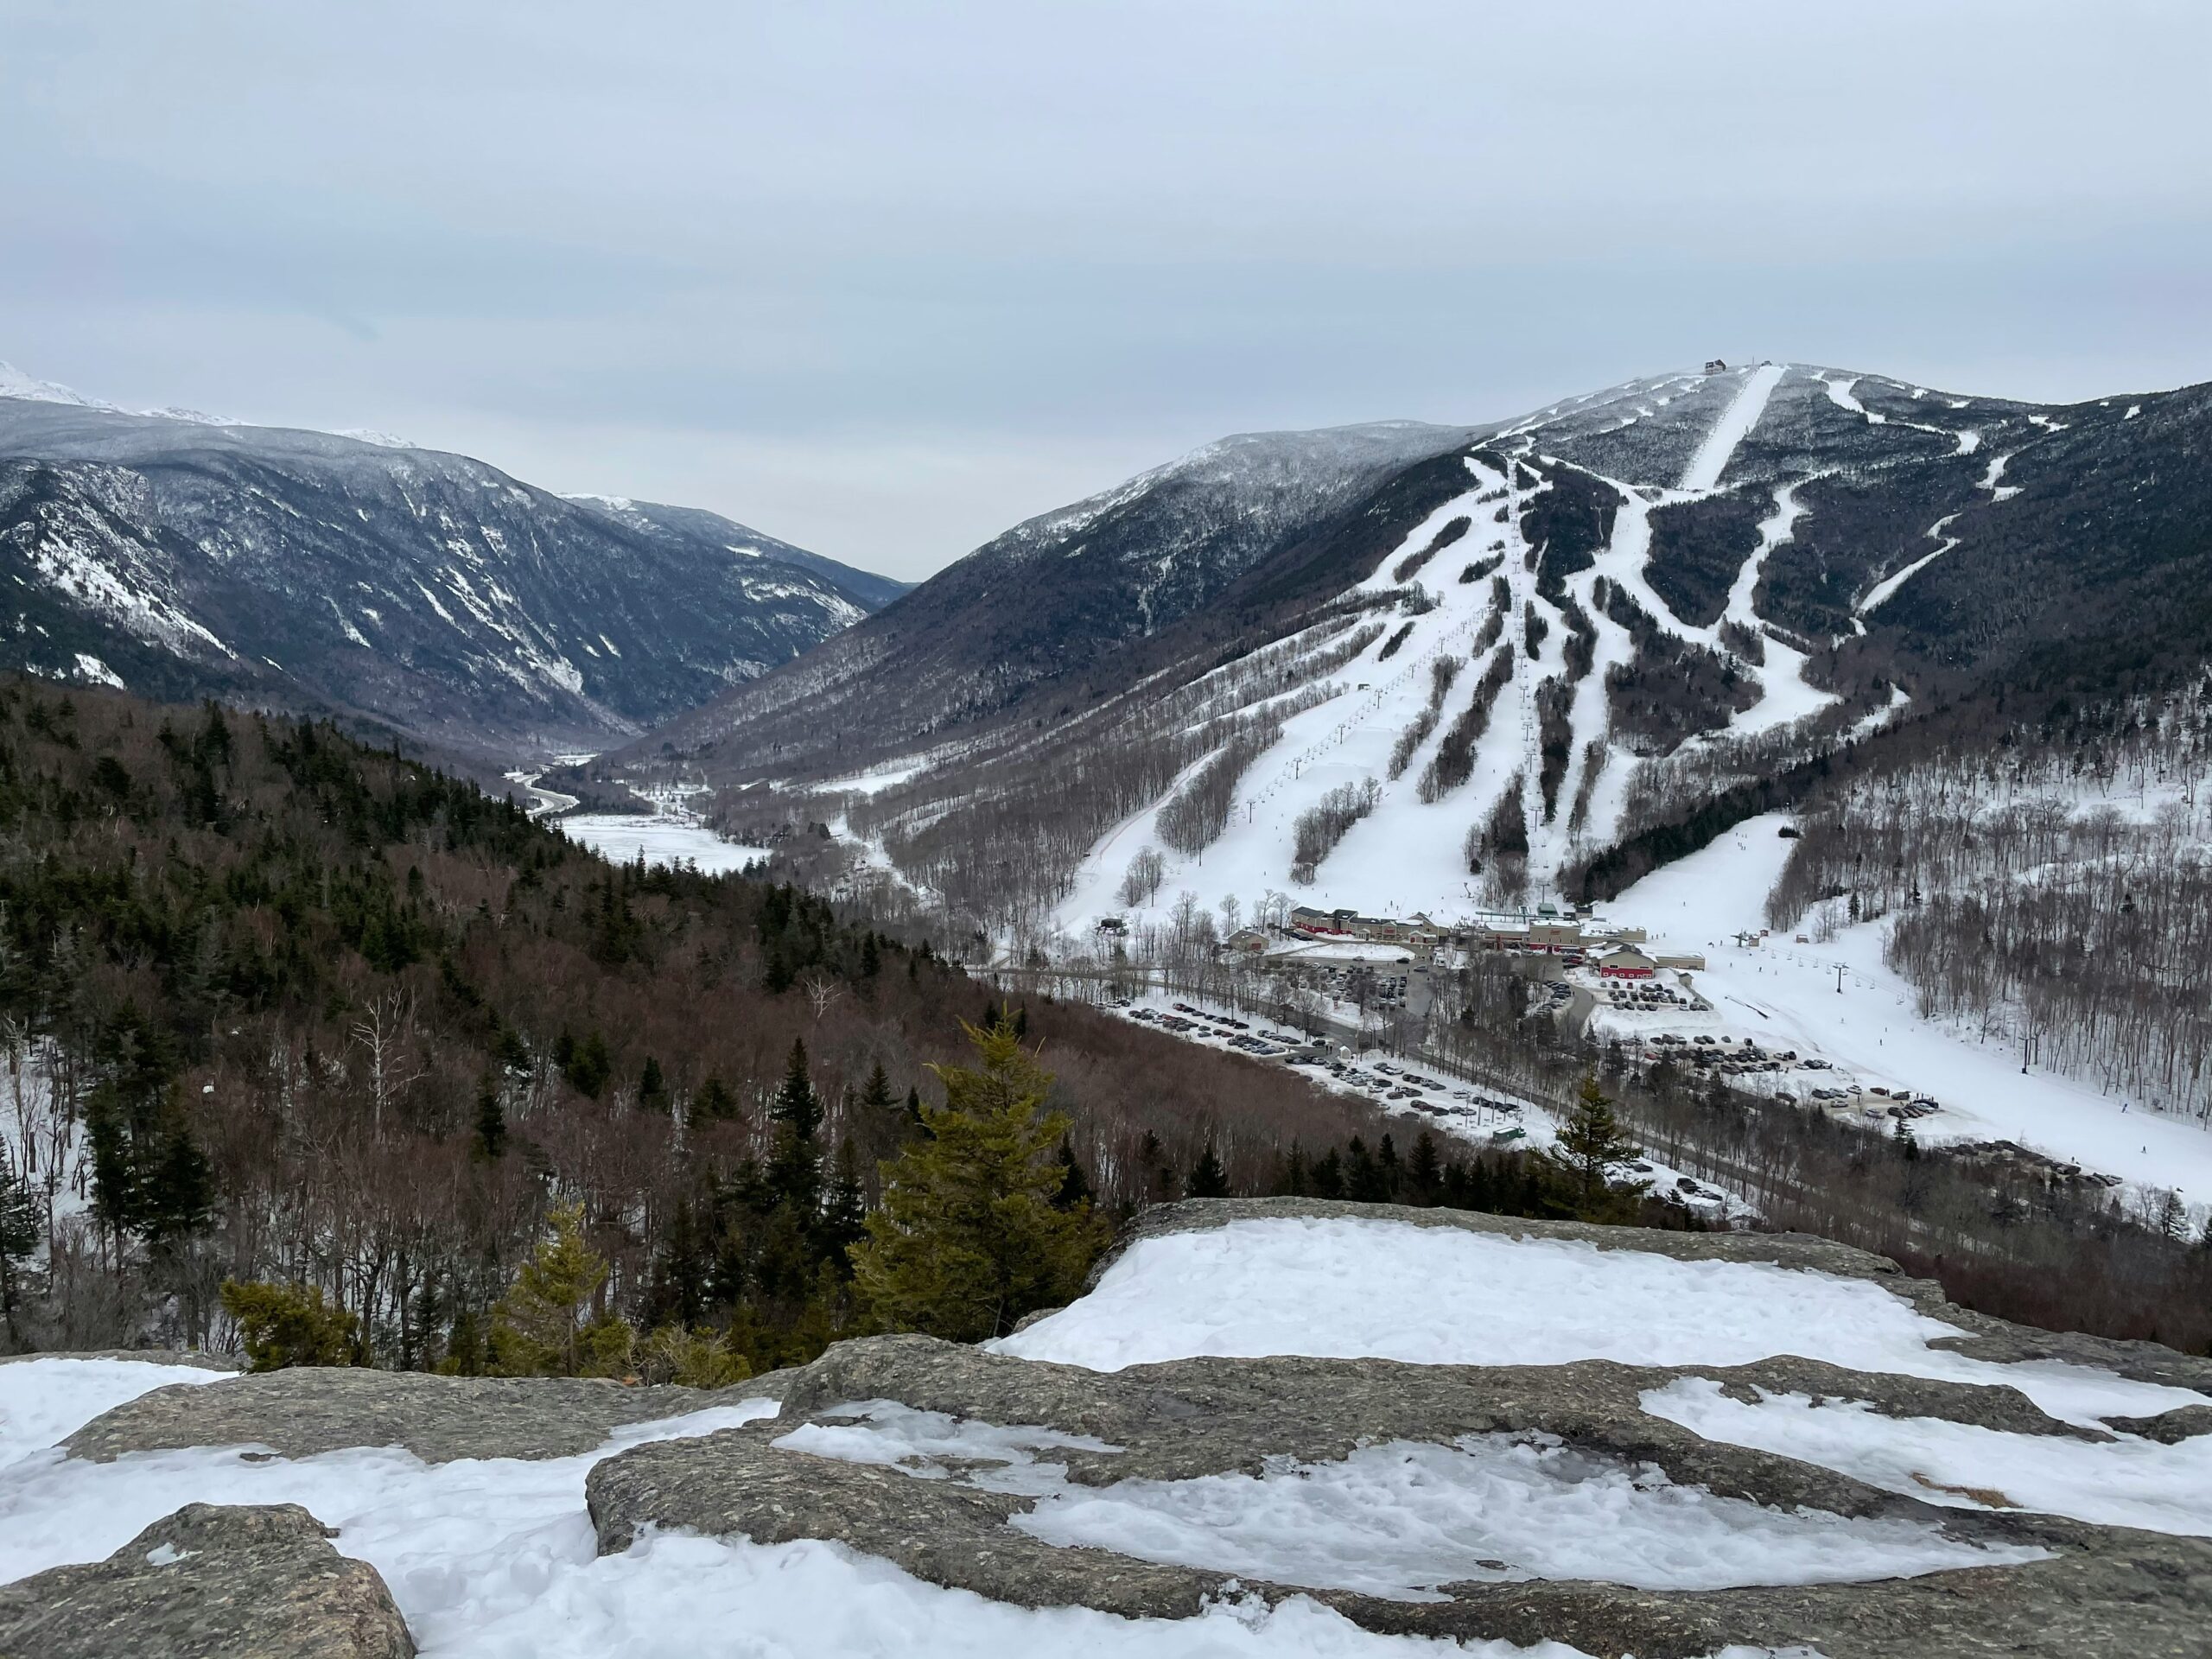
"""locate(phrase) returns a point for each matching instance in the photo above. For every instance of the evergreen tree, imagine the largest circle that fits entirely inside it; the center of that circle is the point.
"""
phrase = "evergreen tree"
(876, 1098)
(1074, 1185)
(1363, 1178)
(652, 1088)
(491, 1122)
(844, 1212)
(677, 1290)
(714, 1104)
(22, 1223)
(1591, 1141)
(1424, 1172)
(1329, 1176)
(1208, 1179)
(1292, 1178)
(545, 1325)
(969, 1238)
(284, 1326)
(795, 1161)
(1902, 1137)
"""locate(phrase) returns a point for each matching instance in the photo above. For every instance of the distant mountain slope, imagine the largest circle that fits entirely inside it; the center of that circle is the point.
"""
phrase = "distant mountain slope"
(425, 591)
(697, 527)
(1062, 594)
(1540, 640)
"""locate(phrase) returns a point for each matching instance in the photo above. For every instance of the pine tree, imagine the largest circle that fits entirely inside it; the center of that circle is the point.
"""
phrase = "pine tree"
(876, 1095)
(284, 1326)
(652, 1087)
(1425, 1172)
(490, 1123)
(22, 1223)
(969, 1238)
(1363, 1177)
(844, 1213)
(1902, 1137)
(795, 1162)
(1208, 1179)
(1075, 1184)
(545, 1326)
(1329, 1176)
(1291, 1180)
(1590, 1141)
(714, 1104)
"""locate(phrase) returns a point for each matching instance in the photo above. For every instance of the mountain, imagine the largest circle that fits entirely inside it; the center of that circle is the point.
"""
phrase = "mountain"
(425, 591)
(1411, 667)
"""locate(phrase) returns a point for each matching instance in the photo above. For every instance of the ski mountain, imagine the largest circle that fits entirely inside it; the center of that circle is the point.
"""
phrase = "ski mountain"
(1408, 668)
(183, 556)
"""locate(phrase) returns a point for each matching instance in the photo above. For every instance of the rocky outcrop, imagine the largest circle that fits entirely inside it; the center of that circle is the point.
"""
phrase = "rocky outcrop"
(237, 1582)
(1198, 1417)
(1981, 1337)
(301, 1412)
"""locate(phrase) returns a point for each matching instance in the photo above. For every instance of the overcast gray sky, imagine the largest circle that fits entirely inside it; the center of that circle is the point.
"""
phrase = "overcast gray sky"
(884, 279)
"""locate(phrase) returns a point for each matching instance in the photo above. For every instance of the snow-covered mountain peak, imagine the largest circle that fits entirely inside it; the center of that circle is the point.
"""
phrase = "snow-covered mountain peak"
(14, 383)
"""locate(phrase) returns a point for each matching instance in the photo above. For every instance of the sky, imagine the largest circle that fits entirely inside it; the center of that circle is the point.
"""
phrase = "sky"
(884, 279)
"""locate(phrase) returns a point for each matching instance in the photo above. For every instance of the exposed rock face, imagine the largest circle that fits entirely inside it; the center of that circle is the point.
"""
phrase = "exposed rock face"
(301, 1412)
(2095, 1589)
(239, 1582)
(1198, 1417)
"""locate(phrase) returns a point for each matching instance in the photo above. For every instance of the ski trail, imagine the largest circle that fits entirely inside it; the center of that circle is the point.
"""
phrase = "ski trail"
(1735, 422)
(1883, 591)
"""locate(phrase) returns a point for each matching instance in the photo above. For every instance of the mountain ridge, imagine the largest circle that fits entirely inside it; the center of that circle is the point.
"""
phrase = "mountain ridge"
(412, 589)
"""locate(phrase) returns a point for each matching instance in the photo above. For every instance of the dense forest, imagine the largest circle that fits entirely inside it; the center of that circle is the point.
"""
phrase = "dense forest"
(305, 1037)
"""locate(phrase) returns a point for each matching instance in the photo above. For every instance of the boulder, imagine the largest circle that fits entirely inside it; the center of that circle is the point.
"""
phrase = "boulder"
(210, 1581)
(309, 1409)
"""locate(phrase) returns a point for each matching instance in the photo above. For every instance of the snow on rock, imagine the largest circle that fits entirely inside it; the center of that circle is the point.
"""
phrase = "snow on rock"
(1399, 1519)
(1449, 1296)
(44, 1400)
(2125, 1482)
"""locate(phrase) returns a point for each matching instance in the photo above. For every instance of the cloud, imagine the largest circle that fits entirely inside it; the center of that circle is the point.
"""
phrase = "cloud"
(873, 278)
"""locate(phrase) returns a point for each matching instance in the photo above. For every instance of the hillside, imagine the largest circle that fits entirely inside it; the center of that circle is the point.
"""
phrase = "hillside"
(400, 587)
(275, 1006)
(1472, 666)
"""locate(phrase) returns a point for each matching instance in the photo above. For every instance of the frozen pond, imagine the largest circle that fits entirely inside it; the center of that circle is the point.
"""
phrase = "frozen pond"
(662, 841)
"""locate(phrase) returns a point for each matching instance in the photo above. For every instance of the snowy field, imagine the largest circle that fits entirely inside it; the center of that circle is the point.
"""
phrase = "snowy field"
(624, 839)
(1785, 995)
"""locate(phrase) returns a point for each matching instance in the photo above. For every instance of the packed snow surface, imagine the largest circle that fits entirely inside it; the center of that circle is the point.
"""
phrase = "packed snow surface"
(2125, 1482)
(495, 1558)
(670, 840)
(42, 1401)
(1399, 1519)
(1443, 1295)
